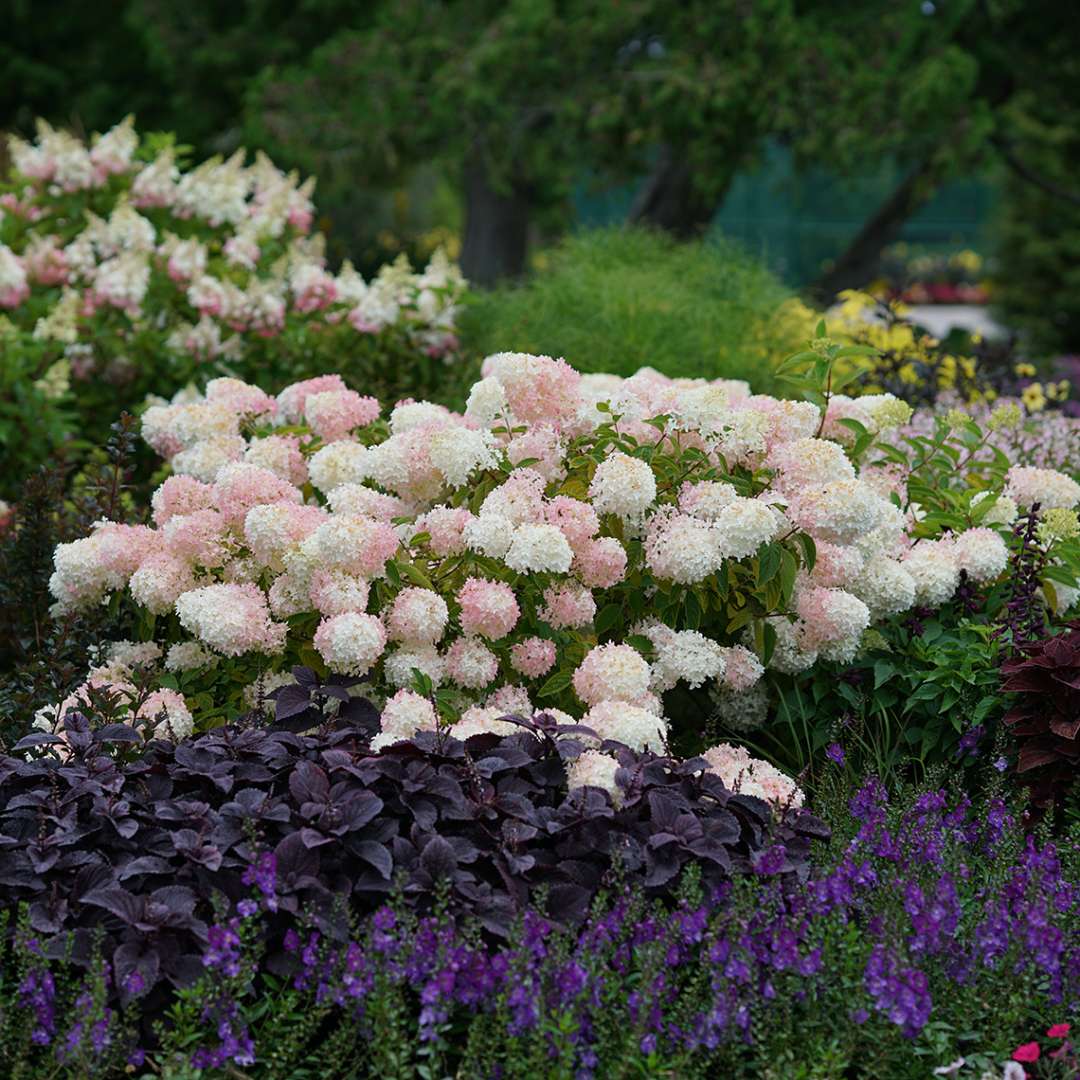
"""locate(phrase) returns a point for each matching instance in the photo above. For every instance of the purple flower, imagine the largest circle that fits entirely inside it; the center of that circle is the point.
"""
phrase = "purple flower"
(770, 861)
(902, 994)
(835, 753)
(247, 908)
(222, 950)
(263, 875)
(1001, 764)
(38, 992)
(969, 741)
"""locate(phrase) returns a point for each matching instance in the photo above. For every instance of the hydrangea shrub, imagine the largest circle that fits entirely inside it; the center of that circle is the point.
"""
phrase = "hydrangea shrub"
(583, 544)
(123, 272)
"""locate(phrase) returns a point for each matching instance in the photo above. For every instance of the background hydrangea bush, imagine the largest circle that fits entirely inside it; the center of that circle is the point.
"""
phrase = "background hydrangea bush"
(125, 272)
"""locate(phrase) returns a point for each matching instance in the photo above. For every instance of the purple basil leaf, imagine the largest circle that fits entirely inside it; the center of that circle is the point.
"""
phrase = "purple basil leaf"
(291, 701)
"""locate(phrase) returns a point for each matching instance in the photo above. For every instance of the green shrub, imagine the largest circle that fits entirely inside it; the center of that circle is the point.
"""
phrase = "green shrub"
(615, 300)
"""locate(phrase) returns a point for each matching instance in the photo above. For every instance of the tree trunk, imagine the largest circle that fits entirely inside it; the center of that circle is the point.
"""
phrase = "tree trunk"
(670, 200)
(857, 265)
(496, 226)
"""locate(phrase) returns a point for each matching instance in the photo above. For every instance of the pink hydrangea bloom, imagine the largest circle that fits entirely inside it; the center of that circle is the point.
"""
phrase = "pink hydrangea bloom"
(488, 608)
(533, 657)
(417, 617)
(567, 605)
(332, 414)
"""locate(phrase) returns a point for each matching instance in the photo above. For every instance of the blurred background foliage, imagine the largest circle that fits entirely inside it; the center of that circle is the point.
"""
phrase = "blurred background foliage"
(816, 133)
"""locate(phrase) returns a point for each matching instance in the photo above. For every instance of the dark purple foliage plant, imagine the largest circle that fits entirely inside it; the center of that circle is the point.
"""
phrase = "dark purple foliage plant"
(129, 857)
(934, 931)
(1045, 716)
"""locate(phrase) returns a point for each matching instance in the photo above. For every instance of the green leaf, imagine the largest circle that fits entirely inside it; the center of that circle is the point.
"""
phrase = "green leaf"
(310, 658)
(607, 618)
(768, 563)
(693, 611)
(556, 684)
(809, 550)
(853, 425)
(416, 575)
(789, 569)
(883, 672)
(768, 640)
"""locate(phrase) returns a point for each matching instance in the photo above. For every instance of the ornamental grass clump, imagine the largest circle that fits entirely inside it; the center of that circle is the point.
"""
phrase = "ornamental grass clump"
(569, 542)
(124, 272)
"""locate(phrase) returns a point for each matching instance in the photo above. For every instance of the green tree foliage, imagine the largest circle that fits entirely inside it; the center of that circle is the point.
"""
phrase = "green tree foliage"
(1038, 260)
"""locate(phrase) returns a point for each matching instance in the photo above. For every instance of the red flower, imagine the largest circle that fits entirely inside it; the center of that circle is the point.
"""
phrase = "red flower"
(1027, 1052)
(1058, 1031)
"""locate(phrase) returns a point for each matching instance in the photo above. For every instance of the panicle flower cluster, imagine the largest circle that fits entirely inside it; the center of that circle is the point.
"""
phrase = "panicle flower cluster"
(752, 776)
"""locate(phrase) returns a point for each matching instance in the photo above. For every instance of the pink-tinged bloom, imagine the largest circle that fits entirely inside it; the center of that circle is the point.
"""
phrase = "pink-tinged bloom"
(1059, 1031)
(538, 388)
(417, 617)
(180, 495)
(240, 486)
(313, 288)
(353, 542)
(471, 664)
(1027, 1052)
(831, 616)
(292, 400)
(577, 520)
(742, 669)
(351, 642)
(13, 285)
(280, 454)
(567, 605)
(444, 525)
(332, 414)
(612, 673)
(231, 619)
(45, 261)
(241, 397)
(270, 529)
(334, 592)
(533, 657)
(543, 447)
(488, 608)
(600, 563)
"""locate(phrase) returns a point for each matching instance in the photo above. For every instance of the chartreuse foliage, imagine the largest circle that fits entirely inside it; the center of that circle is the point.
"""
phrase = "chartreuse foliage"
(616, 300)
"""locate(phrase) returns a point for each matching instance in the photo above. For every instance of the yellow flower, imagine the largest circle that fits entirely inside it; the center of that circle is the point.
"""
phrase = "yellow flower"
(56, 382)
(1024, 370)
(1033, 398)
